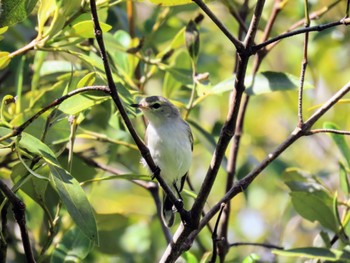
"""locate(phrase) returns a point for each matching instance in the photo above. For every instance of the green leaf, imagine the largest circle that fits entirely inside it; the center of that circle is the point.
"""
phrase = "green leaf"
(56, 66)
(339, 141)
(315, 253)
(80, 102)
(171, 2)
(270, 81)
(343, 179)
(192, 39)
(33, 187)
(13, 12)
(251, 258)
(310, 199)
(265, 82)
(3, 30)
(4, 59)
(85, 29)
(189, 257)
(75, 200)
(73, 247)
(314, 208)
(67, 187)
(87, 80)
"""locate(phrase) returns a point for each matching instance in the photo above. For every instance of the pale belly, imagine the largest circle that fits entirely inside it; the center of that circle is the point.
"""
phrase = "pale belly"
(171, 151)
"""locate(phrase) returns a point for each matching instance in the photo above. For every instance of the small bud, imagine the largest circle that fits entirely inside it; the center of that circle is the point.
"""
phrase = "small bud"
(192, 39)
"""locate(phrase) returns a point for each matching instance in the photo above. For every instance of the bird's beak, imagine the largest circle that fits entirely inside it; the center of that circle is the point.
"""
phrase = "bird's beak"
(135, 105)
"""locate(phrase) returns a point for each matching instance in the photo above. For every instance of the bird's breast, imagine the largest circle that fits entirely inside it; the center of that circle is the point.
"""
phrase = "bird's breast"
(170, 148)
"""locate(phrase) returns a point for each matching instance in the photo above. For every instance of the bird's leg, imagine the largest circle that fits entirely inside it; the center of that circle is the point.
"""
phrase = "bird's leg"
(177, 191)
(185, 215)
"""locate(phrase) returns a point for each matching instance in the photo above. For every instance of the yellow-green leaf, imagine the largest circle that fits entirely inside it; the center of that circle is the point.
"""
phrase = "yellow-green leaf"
(4, 59)
(171, 2)
(85, 29)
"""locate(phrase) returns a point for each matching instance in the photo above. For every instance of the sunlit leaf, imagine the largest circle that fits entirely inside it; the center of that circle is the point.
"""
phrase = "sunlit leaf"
(56, 66)
(87, 80)
(319, 253)
(189, 257)
(67, 187)
(265, 82)
(4, 59)
(80, 102)
(171, 2)
(270, 81)
(252, 258)
(85, 29)
(3, 29)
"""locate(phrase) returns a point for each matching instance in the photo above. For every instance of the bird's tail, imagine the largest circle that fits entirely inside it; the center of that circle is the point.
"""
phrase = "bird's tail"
(168, 211)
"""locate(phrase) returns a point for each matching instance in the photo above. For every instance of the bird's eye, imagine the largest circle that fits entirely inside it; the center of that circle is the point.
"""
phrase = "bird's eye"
(156, 106)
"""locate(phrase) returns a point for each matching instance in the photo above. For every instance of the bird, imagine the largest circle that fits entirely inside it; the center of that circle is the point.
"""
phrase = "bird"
(170, 142)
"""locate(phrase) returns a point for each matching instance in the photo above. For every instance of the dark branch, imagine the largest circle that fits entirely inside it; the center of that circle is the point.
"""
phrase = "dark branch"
(18, 208)
(115, 96)
(345, 21)
(17, 130)
(236, 244)
(238, 44)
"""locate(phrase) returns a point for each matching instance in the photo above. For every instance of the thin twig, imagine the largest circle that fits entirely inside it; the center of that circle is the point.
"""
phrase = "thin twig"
(17, 130)
(315, 131)
(18, 208)
(318, 28)
(180, 241)
(214, 236)
(231, 166)
(150, 186)
(238, 44)
(241, 185)
(303, 66)
(236, 244)
(313, 16)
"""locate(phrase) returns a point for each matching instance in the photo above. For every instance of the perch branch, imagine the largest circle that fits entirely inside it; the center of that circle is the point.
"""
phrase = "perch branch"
(241, 185)
(115, 96)
(18, 208)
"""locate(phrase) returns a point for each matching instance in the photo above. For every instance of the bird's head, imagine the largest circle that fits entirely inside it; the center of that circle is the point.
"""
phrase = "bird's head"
(157, 109)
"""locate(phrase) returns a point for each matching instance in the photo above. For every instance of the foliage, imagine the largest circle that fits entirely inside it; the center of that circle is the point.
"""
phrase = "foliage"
(68, 155)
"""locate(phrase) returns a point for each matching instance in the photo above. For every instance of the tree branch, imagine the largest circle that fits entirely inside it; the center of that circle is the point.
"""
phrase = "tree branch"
(180, 242)
(238, 44)
(236, 244)
(318, 28)
(115, 96)
(18, 208)
(241, 185)
(17, 130)
(303, 66)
